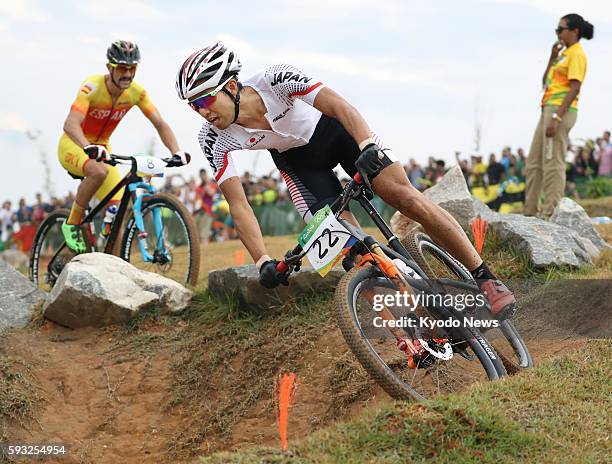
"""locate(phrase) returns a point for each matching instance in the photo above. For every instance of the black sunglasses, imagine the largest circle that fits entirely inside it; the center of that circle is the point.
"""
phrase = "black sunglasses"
(560, 29)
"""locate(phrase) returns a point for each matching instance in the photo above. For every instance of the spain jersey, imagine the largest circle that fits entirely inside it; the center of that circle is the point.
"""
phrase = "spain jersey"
(102, 114)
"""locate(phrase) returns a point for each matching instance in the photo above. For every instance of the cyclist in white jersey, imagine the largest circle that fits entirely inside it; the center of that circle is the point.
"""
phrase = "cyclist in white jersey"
(309, 129)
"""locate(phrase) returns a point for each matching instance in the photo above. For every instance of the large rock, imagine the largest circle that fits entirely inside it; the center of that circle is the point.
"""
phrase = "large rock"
(570, 214)
(483, 211)
(18, 298)
(452, 193)
(546, 243)
(96, 289)
(241, 282)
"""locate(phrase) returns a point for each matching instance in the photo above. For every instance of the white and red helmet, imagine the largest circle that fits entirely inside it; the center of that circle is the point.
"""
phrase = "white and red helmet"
(207, 68)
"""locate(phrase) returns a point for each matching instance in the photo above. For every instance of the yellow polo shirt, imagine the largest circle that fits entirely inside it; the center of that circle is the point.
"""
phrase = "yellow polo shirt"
(570, 65)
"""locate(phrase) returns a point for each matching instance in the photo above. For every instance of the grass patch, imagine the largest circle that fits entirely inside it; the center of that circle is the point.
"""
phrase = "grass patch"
(600, 269)
(605, 230)
(227, 360)
(505, 261)
(143, 321)
(145, 334)
(18, 394)
(596, 207)
(525, 418)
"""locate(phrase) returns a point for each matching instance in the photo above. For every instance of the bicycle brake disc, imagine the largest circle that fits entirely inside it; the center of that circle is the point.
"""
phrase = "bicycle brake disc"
(441, 351)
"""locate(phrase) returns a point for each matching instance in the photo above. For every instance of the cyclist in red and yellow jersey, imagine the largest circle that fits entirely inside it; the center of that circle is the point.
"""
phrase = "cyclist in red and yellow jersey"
(102, 101)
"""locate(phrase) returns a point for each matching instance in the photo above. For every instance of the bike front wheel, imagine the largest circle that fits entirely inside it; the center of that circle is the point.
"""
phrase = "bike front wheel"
(379, 349)
(49, 253)
(169, 245)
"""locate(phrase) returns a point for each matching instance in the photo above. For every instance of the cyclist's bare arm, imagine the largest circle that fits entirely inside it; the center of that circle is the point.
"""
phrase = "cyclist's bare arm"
(334, 105)
(72, 127)
(244, 219)
(165, 133)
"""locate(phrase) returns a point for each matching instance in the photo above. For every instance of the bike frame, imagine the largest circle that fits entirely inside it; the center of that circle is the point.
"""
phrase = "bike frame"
(132, 182)
(395, 248)
(378, 254)
(356, 191)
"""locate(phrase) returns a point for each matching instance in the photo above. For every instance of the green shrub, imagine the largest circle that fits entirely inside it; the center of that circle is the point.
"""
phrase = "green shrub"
(599, 187)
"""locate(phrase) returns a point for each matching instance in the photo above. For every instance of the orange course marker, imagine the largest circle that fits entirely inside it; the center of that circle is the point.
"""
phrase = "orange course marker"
(284, 390)
(479, 227)
(239, 257)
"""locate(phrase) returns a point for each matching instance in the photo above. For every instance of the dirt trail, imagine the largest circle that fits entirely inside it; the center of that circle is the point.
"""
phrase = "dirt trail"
(109, 403)
(106, 405)
(317, 400)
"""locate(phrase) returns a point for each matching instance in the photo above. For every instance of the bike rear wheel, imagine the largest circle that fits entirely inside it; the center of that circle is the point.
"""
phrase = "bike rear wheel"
(378, 352)
(437, 263)
(176, 251)
(49, 252)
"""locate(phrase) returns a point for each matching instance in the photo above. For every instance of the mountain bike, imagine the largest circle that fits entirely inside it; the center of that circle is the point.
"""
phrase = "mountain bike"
(415, 350)
(159, 235)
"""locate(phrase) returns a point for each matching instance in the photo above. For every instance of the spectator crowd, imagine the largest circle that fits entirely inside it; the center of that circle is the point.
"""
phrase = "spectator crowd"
(498, 180)
(589, 159)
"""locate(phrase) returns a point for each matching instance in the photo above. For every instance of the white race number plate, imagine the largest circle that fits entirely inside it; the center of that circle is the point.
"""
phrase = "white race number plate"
(326, 240)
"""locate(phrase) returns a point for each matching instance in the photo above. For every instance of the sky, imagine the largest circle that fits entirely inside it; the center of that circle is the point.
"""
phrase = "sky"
(421, 73)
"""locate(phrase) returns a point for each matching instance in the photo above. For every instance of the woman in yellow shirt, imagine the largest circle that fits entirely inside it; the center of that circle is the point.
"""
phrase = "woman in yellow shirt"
(562, 80)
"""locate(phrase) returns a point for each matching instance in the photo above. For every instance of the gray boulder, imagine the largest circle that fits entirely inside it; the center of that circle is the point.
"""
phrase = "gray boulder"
(570, 214)
(452, 193)
(483, 211)
(545, 243)
(97, 289)
(18, 298)
(403, 226)
(241, 282)
(569, 241)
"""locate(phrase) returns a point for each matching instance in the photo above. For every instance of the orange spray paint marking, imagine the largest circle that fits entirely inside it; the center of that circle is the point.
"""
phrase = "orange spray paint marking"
(239, 257)
(284, 392)
(479, 227)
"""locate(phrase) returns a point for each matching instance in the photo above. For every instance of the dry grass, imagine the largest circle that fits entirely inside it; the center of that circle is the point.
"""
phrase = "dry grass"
(18, 394)
(596, 207)
(605, 230)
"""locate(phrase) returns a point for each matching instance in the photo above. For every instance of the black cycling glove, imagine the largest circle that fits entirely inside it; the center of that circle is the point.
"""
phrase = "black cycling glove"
(369, 164)
(97, 152)
(270, 277)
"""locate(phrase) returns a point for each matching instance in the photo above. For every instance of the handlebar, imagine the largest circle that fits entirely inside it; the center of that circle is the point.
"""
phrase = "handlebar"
(121, 157)
(171, 162)
(282, 267)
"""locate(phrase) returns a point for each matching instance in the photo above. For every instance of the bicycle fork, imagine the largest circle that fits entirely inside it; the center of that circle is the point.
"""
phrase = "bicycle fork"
(157, 221)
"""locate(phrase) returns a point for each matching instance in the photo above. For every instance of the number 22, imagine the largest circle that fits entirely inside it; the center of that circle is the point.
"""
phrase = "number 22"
(331, 242)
